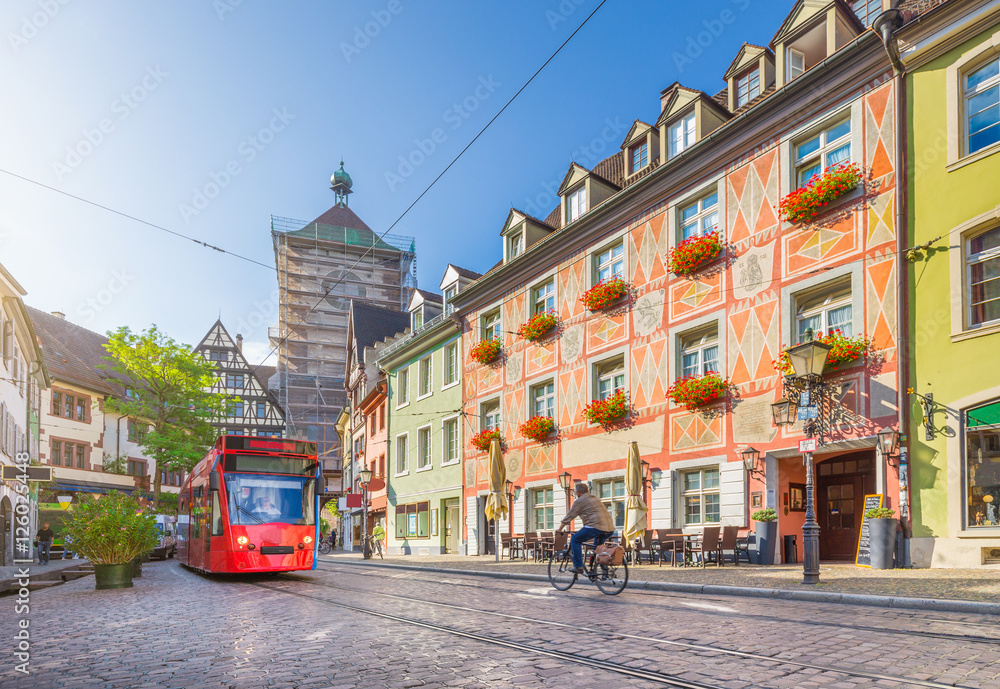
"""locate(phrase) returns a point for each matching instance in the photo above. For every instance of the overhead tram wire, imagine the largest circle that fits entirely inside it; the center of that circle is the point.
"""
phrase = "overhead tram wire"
(482, 131)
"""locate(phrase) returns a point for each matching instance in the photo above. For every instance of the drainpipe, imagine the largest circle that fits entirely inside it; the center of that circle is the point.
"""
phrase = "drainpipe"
(886, 24)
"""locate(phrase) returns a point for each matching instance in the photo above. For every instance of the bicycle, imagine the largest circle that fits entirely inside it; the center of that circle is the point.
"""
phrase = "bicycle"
(325, 546)
(375, 546)
(611, 579)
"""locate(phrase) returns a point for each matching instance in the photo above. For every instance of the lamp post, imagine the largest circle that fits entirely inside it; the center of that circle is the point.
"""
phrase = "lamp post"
(808, 360)
(566, 480)
(364, 477)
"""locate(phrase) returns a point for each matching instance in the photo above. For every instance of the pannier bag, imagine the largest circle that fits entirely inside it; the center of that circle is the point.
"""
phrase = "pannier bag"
(610, 554)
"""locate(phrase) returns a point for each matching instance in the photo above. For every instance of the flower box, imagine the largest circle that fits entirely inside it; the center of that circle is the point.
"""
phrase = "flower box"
(537, 427)
(486, 350)
(538, 326)
(605, 293)
(845, 350)
(695, 391)
(482, 440)
(609, 410)
(694, 252)
(804, 204)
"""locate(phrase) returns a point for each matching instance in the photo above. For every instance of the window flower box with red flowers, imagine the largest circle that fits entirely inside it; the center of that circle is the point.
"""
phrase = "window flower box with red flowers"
(846, 350)
(609, 410)
(537, 428)
(696, 391)
(481, 440)
(605, 293)
(486, 351)
(538, 326)
(804, 204)
(694, 252)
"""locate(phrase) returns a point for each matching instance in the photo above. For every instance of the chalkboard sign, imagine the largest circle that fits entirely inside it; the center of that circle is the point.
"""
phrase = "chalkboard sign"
(864, 557)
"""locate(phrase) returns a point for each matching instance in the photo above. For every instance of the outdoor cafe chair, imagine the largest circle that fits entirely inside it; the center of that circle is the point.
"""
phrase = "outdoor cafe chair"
(744, 539)
(672, 543)
(728, 544)
(708, 545)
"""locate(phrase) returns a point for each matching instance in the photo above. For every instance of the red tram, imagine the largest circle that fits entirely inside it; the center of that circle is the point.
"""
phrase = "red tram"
(250, 506)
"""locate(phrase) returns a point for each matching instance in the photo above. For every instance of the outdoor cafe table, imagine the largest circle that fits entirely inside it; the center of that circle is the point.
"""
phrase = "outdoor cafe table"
(517, 546)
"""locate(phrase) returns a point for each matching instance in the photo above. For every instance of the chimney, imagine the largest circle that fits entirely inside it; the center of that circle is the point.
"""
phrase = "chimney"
(239, 342)
(60, 315)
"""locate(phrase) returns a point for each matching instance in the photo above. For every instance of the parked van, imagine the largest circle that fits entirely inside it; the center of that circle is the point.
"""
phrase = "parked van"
(167, 546)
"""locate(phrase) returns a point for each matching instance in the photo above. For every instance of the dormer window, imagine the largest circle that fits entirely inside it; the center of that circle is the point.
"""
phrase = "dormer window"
(867, 10)
(796, 63)
(640, 156)
(576, 204)
(449, 294)
(747, 87)
(516, 247)
(417, 319)
(682, 135)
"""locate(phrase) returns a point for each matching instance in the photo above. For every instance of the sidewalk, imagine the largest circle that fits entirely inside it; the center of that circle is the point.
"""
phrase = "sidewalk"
(840, 582)
(38, 573)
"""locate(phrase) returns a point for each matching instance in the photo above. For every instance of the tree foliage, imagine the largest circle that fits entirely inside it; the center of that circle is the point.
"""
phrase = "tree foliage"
(167, 387)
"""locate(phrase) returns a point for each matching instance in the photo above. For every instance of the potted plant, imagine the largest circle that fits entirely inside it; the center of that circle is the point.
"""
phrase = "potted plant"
(695, 391)
(881, 536)
(694, 252)
(846, 350)
(605, 293)
(804, 204)
(112, 531)
(767, 535)
(607, 411)
(481, 440)
(486, 350)
(538, 326)
(537, 428)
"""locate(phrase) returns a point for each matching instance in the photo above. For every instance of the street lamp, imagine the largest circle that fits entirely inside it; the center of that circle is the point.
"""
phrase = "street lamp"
(751, 458)
(888, 442)
(566, 480)
(645, 471)
(807, 360)
(364, 477)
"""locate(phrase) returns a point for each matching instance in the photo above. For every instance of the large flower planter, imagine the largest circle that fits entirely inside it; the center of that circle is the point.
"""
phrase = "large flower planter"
(767, 539)
(693, 253)
(804, 204)
(605, 294)
(882, 543)
(113, 576)
(137, 568)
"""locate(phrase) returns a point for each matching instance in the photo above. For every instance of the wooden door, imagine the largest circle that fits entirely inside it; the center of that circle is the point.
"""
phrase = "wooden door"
(841, 502)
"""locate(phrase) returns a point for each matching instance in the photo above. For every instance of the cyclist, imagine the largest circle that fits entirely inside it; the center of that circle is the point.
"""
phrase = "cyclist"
(597, 523)
(378, 535)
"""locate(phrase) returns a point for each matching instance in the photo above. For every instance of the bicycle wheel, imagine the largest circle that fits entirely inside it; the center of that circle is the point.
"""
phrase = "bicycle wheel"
(378, 547)
(561, 574)
(613, 581)
(324, 547)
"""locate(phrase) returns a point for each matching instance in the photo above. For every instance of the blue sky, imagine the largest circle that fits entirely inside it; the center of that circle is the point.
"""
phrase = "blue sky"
(150, 108)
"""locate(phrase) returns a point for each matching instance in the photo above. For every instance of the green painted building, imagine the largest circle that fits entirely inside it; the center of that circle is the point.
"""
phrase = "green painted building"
(951, 58)
(424, 458)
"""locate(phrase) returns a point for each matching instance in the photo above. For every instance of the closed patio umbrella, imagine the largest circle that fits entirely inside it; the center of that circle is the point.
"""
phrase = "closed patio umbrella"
(496, 501)
(635, 508)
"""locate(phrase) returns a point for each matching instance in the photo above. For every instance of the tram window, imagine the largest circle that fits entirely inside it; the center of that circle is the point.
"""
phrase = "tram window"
(260, 498)
(216, 514)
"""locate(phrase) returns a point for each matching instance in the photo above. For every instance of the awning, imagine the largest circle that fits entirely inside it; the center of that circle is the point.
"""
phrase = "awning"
(90, 487)
(986, 415)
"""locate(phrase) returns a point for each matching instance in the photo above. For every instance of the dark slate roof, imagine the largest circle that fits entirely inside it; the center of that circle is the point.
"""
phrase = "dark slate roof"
(470, 274)
(911, 8)
(263, 373)
(722, 97)
(342, 216)
(71, 352)
(430, 296)
(373, 324)
(531, 217)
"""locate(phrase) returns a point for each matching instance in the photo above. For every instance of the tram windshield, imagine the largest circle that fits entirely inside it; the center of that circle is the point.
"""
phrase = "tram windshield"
(264, 499)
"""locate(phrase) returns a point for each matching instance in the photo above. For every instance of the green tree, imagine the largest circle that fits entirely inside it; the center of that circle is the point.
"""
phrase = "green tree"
(167, 387)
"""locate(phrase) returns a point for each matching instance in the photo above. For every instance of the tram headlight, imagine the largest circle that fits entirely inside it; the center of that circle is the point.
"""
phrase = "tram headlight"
(308, 539)
(242, 540)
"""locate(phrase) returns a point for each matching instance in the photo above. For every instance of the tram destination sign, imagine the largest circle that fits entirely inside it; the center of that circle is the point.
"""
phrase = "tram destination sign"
(864, 556)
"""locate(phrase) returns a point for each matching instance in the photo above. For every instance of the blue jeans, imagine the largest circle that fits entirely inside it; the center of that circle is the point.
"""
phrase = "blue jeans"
(587, 533)
(43, 552)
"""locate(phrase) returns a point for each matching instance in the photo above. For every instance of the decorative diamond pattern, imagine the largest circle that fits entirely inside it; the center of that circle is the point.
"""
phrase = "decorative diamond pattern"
(692, 430)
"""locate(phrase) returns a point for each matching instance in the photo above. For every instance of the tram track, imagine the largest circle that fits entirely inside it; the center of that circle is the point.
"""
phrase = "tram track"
(604, 633)
(946, 636)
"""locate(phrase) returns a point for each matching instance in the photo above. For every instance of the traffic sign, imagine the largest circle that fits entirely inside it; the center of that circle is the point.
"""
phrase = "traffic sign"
(810, 412)
(807, 445)
(804, 398)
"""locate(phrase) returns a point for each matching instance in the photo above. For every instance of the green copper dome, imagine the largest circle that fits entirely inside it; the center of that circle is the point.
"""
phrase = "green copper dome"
(341, 178)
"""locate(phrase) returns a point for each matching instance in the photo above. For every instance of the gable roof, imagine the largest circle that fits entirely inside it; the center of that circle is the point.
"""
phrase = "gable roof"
(465, 272)
(429, 296)
(816, 4)
(342, 216)
(370, 324)
(670, 94)
(72, 353)
(756, 50)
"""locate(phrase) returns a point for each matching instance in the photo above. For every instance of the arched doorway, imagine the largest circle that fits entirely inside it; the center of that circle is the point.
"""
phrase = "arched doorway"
(7, 532)
(841, 485)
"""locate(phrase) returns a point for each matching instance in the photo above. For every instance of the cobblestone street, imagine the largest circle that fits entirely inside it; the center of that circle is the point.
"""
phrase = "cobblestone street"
(347, 625)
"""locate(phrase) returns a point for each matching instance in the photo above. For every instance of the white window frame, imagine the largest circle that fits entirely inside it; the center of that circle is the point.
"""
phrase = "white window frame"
(486, 414)
(445, 459)
(746, 80)
(701, 492)
(404, 469)
(793, 71)
(576, 203)
(548, 508)
(615, 265)
(611, 500)
(825, 148)
(491, 325)
(449, 294)
(515, 246)
(608, 370)
(417, 319)
(541, 296)
(970, 260)
(425, 448)
(549, 398)
(682, 135)
(425, 374)
(968, 94)
(449, 360)
(403, 387)
(640, 151)
(820, 302)
(698, 342)
(702, 213)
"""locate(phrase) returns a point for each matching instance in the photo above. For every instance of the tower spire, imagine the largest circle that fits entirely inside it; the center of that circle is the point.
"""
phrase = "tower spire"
(341, 185)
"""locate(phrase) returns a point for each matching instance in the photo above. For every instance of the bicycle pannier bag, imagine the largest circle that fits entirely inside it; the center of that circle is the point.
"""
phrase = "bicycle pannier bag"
(610, 554)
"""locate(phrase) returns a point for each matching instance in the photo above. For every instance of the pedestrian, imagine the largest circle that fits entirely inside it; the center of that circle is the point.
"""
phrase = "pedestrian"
(44, 538)
(333, 539)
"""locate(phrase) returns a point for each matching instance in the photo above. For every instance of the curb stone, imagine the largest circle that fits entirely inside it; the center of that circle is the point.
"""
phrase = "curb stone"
(898, 602)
